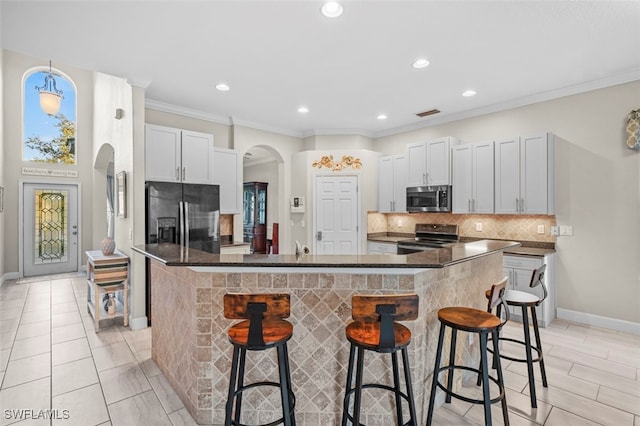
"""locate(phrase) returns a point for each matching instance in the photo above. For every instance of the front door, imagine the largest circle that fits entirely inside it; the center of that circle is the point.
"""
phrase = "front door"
(50, 231)
(336, 215)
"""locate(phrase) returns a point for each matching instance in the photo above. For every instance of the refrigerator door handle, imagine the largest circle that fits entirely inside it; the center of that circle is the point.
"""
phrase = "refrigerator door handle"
(181, 208)
(186, 224)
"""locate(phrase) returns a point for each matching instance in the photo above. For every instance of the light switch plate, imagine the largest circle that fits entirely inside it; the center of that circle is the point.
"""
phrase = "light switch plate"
(479, 227)
(540, 229)
(566, 230)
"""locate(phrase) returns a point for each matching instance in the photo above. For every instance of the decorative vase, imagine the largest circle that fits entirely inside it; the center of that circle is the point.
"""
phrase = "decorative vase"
(108, 246)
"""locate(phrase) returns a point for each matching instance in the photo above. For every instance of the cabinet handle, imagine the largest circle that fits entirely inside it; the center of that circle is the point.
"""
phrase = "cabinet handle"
(390, 205)
(469, 205)
(184, 172)
(424, 178)
(517, 205)
(521, 205)
(177, 173)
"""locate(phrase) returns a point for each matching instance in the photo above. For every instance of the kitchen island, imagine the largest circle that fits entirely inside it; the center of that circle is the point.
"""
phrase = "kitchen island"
(190, 345)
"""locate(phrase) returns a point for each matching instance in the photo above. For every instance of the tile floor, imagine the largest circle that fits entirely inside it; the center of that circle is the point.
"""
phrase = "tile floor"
(50, 356)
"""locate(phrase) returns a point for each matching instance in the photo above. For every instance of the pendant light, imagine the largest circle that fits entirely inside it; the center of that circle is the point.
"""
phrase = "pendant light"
(50, 96)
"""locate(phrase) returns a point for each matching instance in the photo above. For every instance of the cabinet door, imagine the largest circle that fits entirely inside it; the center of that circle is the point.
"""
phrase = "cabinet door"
(439, 162)
(533, 174)
(225, 174)
(162, 154)
(400, 183)
(483, 184)
(462, 179)
(417, 164)
(507, 176)
(197, 157)
(385, 184)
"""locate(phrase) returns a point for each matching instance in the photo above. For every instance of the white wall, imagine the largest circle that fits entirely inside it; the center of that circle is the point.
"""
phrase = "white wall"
(303, 186)
(14, 66)
(2, 181)
(597, 191)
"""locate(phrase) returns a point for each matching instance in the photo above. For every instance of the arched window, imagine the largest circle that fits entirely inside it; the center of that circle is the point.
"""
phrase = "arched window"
(48, 138)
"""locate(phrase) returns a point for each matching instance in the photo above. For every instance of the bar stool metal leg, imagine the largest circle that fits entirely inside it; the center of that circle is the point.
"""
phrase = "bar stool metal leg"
(527, 347)
(232, 385)
(496, 360)
(284, 385)
(452, 361)
(345, 408)
(358, 397)
(434, 382)
(286, 363)
(485, 379)
(407, 379)
(536, 331)
(396, 386)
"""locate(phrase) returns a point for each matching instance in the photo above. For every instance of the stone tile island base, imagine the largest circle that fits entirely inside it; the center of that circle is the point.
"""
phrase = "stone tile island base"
(191, 348)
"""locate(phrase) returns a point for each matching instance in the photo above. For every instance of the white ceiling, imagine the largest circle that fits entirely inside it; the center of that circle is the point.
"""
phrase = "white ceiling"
(278, 55)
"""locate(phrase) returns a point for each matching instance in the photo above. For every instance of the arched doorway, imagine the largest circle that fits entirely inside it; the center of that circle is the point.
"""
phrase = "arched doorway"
(103, 195)
(263, 164)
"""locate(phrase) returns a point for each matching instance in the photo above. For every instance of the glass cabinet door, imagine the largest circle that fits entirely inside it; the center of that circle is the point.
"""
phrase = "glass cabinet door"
(262, 206)
(249, 205)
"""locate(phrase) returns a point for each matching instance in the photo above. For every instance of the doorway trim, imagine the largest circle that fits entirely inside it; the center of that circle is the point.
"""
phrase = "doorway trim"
(21, 185)
(358, 208)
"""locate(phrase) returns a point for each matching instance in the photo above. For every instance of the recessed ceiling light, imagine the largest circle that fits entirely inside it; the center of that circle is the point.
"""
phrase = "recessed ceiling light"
(468, 93)
(332, 9)
(222, 87)
(421, 63)
(303, 110)
(382, 116)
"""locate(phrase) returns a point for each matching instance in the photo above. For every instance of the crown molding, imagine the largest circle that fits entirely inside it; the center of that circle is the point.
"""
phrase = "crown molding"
(187, 112)
(265, 127)
(622, 78)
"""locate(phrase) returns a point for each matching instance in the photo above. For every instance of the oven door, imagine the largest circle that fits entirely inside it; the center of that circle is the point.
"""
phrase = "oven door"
(408, 248)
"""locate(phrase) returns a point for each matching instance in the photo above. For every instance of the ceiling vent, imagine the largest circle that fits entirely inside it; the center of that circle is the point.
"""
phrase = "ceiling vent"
(427, 113)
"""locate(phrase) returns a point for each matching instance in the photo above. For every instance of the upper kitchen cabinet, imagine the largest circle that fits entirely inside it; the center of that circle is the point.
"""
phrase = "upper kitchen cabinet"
(524, 175)
(429, 163)
(225, 173)
(472, 178)
(175, 155)
(392, 184)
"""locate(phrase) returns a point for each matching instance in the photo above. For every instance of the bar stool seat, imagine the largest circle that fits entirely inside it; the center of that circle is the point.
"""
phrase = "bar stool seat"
(264, 329)
(483, 323)
(528, 301)
(375, 329)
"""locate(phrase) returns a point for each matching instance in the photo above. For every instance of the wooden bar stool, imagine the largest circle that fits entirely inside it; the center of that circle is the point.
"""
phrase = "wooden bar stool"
(524, 300)
(263, 328)
(375, 329)
(472, 321)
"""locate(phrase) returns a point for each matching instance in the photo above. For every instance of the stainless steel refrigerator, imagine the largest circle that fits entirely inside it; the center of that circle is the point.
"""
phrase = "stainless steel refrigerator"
(184, 214)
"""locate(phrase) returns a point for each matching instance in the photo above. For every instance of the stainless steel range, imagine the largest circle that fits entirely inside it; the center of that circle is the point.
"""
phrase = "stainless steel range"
(429, 236)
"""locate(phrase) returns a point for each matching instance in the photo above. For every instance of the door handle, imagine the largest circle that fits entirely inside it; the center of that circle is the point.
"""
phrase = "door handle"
(319, 236)
(75, 232)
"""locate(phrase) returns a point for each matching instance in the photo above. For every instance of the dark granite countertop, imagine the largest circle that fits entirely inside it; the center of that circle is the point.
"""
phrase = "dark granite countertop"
(175, 255)
(389, 237)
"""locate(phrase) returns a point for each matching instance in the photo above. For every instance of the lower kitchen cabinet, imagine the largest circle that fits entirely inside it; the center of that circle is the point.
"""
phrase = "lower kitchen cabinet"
(519, 270)
(377, 247)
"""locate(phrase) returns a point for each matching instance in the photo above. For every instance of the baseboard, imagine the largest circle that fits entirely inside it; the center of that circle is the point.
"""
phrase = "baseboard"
(137, 323)
(9, 276)
(599, 321)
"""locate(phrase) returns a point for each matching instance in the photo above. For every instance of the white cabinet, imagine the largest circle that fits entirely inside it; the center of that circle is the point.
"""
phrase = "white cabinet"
(519, 270)
(226, 163)
(524, 175)
(392, 184)
(429, 163)
(175, 155)
(472, 178)
(378, 247)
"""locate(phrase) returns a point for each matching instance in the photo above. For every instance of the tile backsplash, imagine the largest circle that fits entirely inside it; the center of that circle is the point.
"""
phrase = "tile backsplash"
(505, 227)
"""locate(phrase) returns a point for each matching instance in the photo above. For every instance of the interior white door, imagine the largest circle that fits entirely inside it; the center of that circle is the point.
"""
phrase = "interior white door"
(336, 215)
(50, 231)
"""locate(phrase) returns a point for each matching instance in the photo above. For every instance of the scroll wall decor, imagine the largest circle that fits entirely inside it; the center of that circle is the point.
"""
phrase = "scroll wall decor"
(347, 161)
(633, 130)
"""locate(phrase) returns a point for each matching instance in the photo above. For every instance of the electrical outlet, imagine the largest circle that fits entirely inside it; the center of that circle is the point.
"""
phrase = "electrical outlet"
(555, 230)
(479, 227)
(399, 222)
(566, 230)
(540, 229)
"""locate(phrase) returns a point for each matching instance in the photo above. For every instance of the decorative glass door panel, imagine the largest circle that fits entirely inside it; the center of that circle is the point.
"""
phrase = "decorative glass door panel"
(50, 229)
(255, 216)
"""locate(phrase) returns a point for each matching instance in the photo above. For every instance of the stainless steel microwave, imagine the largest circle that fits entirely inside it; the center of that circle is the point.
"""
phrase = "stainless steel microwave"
(429, 198)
